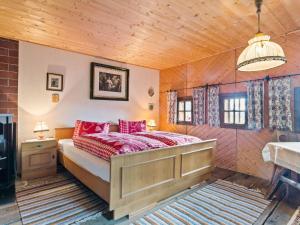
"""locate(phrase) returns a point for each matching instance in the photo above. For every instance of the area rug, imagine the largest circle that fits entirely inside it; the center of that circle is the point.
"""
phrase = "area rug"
(57, 200)
(221, 202)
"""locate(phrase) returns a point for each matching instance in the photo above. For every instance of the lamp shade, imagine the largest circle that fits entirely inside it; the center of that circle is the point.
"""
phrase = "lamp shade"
(261, 54)
(40, 127)
(152, 123)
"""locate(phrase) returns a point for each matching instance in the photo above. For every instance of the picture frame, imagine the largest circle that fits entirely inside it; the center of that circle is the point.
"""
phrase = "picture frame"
(55, 82)
(109, 82)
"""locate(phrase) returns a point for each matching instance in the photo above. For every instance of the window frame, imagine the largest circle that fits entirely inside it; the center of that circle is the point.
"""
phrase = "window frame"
(180, 99)
(222, 111)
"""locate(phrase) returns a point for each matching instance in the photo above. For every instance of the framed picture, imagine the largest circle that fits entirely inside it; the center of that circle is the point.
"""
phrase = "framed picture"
(109, 82)
(55, 82)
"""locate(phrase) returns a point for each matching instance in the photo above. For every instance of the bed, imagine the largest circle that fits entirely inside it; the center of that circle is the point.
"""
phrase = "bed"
(132, 182)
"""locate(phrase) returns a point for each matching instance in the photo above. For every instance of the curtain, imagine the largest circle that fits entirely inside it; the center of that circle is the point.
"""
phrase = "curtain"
(172, 107)
(199, 106)
(255, 95)
(213, 106)
(280, 117)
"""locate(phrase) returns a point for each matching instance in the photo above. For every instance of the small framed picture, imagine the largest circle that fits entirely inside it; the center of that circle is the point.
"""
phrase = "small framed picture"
(109, 82)
(55, 82)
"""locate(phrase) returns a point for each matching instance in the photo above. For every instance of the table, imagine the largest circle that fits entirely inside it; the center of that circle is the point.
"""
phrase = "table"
(284, 154)
(287, 156)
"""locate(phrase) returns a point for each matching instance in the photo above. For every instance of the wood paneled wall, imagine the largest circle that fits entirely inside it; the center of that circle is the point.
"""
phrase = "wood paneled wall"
(237, 149)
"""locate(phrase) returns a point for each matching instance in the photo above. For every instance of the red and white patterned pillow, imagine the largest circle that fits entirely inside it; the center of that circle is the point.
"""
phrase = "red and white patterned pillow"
(129, 127)
(86, 127)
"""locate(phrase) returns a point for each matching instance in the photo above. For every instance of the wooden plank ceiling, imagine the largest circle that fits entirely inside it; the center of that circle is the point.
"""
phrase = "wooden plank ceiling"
(152, 33)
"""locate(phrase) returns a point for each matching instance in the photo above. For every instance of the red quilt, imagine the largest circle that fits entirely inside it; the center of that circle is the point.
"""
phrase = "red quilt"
(107, 145)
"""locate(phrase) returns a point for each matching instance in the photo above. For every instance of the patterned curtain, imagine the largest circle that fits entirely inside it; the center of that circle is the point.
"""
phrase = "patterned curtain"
(199, 106)
(280, 117)
(213, 106)
(172, 107)
(255, 94)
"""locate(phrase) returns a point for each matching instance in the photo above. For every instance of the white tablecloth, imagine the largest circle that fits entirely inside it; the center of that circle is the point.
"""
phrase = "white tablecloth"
(284, 154)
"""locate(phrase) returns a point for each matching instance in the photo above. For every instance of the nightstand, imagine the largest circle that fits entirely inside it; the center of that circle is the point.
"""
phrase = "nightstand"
(38, 158)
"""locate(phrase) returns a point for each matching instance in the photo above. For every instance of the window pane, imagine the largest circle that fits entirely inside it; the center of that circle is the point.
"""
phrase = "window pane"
(242, 104)
(188, 106)
(231, 118)
(226, 114)
(242, 117)
(231, 104)
(181, 116)
(237, 118)
(237, 104)
(181, 106)
(188, 117)
(226, 104)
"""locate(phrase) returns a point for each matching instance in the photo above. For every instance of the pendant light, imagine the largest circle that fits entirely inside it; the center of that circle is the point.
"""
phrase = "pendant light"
(261, 54)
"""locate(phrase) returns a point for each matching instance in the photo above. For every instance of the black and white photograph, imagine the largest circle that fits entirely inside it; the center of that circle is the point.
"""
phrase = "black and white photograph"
(54, 82)
(109, 82)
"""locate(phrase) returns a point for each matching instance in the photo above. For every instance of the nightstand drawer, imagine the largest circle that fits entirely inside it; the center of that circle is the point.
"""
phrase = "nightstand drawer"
(38, 145)
(38, 159)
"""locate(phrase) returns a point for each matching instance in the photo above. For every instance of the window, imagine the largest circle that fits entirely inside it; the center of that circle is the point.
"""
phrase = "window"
(233, 110)
(184, 110)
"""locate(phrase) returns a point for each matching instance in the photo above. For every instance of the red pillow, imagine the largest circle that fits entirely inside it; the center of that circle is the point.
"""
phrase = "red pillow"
(85, 127)
(129, 127)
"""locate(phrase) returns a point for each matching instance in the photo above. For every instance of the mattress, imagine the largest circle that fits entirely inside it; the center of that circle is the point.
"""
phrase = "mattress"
(95, 165)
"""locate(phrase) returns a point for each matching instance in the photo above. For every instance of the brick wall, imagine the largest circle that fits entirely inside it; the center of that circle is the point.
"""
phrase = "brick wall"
(9, 76)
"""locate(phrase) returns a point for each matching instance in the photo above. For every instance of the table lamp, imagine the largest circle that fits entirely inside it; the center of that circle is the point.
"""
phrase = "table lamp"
(151, 124)
(40, 128)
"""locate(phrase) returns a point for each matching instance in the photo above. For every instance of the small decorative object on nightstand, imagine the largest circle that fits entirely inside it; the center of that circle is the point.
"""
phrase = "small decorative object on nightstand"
(38, 158)
(40, 128)
(151, 125)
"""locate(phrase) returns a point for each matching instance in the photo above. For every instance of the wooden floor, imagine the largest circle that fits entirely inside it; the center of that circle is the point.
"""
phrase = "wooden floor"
(278, 213)
(9, 212)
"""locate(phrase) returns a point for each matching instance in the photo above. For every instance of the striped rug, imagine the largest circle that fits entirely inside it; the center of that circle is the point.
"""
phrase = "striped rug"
(219, 203)
(57, 200)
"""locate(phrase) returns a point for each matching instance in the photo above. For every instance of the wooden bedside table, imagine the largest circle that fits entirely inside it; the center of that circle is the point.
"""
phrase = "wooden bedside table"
(38, 158)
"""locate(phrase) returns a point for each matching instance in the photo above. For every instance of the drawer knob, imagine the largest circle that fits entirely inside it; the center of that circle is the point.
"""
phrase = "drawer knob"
(53, 156)
(39, 146)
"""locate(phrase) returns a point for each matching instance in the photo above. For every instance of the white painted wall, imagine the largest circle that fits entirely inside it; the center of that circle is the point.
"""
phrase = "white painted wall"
(34, 100)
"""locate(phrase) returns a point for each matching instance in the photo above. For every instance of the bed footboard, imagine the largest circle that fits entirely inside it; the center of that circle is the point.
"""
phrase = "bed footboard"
(141, 179)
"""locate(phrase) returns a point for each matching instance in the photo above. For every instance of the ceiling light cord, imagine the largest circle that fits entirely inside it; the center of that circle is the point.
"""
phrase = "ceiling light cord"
(258, 4)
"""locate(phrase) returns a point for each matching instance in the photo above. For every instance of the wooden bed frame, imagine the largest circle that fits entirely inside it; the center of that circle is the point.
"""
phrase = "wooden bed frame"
(139, 180)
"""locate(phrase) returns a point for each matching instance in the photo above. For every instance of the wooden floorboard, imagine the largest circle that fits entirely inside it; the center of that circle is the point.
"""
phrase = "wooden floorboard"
(250, 182)
(281, 215)
(220, 173)
(266, 214)
(285, 209)
(9, 214)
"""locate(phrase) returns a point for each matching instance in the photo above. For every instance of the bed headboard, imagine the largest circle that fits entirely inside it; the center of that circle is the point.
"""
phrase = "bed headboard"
(67, 132)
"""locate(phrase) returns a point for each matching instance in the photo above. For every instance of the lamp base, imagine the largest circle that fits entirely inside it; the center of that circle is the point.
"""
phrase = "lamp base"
(40, 136)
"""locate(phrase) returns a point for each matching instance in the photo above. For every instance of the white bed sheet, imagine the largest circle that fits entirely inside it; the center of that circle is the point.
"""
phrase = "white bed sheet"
(95, 165)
